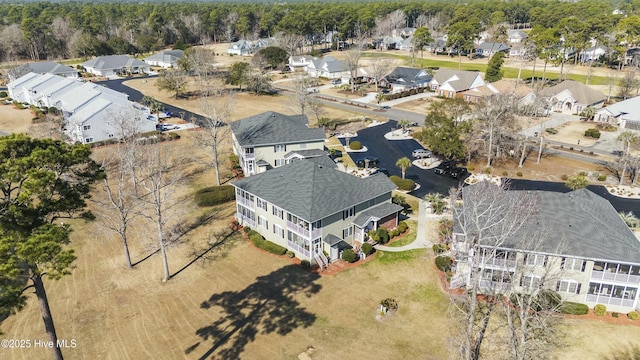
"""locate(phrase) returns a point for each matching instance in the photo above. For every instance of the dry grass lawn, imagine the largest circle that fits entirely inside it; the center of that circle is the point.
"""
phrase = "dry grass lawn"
(13, 120)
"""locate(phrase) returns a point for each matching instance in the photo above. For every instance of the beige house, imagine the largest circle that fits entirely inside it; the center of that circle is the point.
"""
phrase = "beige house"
(271, 139)
(310, 207)
(452, 83)
(571, 97)
(590, 255)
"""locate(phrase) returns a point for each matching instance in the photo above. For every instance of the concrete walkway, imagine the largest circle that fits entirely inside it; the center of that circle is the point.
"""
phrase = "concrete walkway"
(421, 241)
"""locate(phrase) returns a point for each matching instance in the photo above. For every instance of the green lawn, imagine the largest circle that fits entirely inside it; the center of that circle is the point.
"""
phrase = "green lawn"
(509, 72)
(408, 237)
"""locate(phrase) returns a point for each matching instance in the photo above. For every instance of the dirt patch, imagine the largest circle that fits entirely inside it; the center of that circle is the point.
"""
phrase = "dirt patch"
(14, 120)
(572, 132)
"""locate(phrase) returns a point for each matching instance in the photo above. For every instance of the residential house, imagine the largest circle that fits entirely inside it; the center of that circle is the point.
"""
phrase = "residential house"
(51, 67)
(451, 83)
(240, 47)
(516, 36)
(625, 114)
(404, 32)
(489, 49)
(406, 78)
(310, 208)
(271, 139)
(391, 42)
(165, 59)
(439, 45)
(523, 93)
(571, 97)
(474, 95)
(113, 65)
(592, 53)
(91, 112)
(405, 44)
(590, 256)
(300, 61)
(328, 67)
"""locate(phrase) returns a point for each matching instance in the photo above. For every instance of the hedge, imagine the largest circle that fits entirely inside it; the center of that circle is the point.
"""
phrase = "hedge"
(367, 248)
(355, 145)
(443, 263)
(574, 308)
(403, 184)
(215, 195)
(594, 133)
(349, 256)
(266, 245)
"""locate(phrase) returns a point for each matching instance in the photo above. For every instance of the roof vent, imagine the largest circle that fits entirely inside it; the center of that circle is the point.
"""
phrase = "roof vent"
(320, 166)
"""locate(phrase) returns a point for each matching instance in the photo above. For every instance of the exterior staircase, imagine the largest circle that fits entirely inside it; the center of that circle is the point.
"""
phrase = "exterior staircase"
(321, 260)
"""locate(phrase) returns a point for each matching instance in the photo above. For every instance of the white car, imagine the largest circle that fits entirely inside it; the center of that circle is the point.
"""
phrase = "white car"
(421, 153)
(167, 126)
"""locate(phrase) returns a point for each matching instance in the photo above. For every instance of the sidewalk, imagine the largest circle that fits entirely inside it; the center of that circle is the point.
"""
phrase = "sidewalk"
(421, 241)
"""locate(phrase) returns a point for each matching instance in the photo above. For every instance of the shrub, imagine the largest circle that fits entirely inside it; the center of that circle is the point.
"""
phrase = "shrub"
(574, 308)
(355, 145)
(487, 170)
(266, 245)
(402, 226)
(504, 173)
(215, 195)
(367, 248)
(439, 248)
(402, 184)
(3, 94)
(547, 300)
(615, 314)
(551, 131)
(519, 173)
(173, 136)
(305, 264)
(290, 254)
(390, 303)
(470, 168)
(349, 256)
(600, 310)
(395, 232)
(564, 177)
(246, 229)
(443, 263)
(383, 235)
(594, 133)
(602, 177)
(633, 315)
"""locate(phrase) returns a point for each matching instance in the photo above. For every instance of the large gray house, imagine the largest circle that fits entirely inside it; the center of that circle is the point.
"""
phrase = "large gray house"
(271, 139)
(590, 257)
(309, 206)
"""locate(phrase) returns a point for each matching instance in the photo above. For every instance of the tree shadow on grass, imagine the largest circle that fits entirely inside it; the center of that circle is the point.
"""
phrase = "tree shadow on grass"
(264, 307)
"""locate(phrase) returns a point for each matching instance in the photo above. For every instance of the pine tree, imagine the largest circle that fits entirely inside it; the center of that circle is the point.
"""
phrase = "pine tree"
(494, 68)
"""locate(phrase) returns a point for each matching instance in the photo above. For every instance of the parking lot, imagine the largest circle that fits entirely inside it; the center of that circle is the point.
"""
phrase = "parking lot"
(389, 151)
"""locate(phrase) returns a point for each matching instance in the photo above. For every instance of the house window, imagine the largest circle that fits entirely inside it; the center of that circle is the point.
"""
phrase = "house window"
(86, 127)
(280, 148)
(573, 264)
(536, 260)
(568, 286)
(88, 140)
(276, 211)
(280, 162)
(263, 222)
(530, 281)
(262, 204)
(347, 232)
(348, 212)
(278, 230)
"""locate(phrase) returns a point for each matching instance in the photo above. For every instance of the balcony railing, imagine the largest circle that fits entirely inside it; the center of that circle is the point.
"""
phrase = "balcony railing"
(246, 202)
(494, 286)
(248, 156)
(314, 233)
(511, 264)
(245, 221)
(608, 300)
(299, 249)
(606, 275)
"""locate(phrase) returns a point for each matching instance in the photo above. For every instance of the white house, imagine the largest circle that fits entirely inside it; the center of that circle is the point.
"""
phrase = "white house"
(571, 97)
(241, 47)
(165, 59)
(113, 65)
(451, 83)
(300, 61)
(328, 67)
(516, 36)
(51, 67)
(91, 112)
(626, 114)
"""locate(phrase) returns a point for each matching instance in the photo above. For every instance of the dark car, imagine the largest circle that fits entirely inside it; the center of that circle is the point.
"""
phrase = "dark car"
(458, 172)
(372, 162)
(444, 167)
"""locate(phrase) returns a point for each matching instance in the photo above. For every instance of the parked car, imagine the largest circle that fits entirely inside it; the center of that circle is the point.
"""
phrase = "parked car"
(384, 91)
(421, 153)
(458, 172)
(336, 82)
(444, 167)
(381, 171)
(167, 126)
(372, 162)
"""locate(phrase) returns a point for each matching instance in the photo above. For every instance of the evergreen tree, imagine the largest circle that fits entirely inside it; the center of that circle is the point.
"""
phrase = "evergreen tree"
(494, 67)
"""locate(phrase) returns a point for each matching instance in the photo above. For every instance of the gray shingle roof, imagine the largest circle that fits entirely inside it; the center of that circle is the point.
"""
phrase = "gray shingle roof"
(493, 46)
(581, 92)
(50, 67)
(309, 153)
(463, 81)
(274, 128)
(581, 224)
(313, 191)
(111, 62)
(379, 212)
(166, 56)
(408, 75)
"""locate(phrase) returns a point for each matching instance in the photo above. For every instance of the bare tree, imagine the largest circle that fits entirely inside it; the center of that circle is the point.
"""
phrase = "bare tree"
(316, 108)
(17, 71)
(230, 26)
(495, 117)
(626, 138)
(201, 63)
(301, 96)
(292, 43)
(380, 67)
(11, 42)
(158, 174)
(397, 19)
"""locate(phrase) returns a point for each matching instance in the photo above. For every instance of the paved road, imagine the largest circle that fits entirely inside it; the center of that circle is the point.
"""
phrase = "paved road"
(135, 95)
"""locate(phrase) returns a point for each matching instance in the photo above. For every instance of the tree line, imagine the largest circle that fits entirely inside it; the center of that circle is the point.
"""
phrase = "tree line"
(38, 31)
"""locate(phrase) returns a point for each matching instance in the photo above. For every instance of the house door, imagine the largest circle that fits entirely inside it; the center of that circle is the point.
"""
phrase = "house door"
(315, 246)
